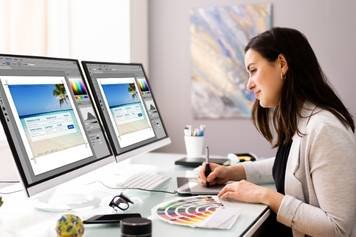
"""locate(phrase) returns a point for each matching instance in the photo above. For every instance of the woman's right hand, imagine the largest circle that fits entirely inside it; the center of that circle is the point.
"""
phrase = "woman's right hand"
(219, 174)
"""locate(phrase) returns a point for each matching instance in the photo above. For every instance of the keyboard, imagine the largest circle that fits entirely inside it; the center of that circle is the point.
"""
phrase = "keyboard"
(147, 181)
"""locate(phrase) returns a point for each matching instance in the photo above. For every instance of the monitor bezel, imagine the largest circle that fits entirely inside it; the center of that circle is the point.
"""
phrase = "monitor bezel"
(51, 181)
(136, 150)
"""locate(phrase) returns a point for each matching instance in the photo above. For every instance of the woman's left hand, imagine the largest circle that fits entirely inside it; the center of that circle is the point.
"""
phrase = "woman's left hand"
(243, 191)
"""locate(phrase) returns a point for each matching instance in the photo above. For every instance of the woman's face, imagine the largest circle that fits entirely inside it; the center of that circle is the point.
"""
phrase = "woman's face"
(265, 78)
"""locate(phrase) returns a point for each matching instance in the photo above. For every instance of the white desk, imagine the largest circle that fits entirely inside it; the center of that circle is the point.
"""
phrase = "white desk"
(18, 217)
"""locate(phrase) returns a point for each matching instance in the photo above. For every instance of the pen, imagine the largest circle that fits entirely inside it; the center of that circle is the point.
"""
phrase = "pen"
(207, 166)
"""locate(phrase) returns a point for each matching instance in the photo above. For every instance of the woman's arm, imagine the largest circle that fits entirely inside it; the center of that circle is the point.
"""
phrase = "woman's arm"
(332, 160)
(330, 153)
(246, 191)
(260, 171)
(236, 172)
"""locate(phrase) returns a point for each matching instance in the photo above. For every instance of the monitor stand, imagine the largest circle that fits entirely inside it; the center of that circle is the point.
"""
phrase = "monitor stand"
(60, 200)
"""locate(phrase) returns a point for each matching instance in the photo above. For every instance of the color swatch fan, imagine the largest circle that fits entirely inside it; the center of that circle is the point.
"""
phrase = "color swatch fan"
(198, 211)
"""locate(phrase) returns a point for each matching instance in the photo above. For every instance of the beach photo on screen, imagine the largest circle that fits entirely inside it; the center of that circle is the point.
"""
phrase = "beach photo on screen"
(46, 117)
(127, 111)
(47, 121)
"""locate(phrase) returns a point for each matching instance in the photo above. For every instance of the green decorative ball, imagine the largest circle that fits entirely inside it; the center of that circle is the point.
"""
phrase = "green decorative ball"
(70, 226)
(1, 202)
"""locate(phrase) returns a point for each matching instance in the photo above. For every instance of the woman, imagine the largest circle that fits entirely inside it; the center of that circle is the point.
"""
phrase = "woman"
(297, 111)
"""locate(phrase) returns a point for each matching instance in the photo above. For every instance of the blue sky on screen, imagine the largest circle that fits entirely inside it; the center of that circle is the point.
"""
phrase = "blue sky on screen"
(35, 99)
(118, 94)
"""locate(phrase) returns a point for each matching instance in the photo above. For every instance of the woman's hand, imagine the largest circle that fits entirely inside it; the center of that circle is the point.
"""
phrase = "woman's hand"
(245, 191)
(219, 174)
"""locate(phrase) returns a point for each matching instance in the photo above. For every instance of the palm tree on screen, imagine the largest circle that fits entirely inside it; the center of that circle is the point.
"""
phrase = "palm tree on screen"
(132, 90)
(60, 92)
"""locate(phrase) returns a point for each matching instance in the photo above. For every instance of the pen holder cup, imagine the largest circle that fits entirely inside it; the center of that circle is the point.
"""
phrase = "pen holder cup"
(194, 146)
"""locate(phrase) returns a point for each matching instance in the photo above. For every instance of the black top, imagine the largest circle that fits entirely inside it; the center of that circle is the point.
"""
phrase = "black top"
(279, 173)
(279, 166)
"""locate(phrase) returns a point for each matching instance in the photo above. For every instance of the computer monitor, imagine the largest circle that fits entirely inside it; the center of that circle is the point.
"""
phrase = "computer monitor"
(50, 122)
(127, 106)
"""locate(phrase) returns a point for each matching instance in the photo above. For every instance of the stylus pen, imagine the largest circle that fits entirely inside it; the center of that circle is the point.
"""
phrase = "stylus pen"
(207, 166)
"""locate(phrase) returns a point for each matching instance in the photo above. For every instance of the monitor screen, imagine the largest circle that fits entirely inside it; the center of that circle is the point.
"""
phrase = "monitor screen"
(127, 106)
(50, 121)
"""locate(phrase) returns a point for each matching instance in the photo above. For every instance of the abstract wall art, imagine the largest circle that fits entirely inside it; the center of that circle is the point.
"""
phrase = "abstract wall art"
(218, 38)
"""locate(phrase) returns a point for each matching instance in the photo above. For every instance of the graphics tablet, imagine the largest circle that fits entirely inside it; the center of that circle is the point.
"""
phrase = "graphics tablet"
(191, 186)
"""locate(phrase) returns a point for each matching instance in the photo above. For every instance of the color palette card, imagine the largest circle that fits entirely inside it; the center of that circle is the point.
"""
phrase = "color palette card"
(197, 211)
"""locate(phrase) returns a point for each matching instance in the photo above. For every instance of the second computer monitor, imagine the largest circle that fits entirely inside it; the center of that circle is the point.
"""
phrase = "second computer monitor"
(127, 106)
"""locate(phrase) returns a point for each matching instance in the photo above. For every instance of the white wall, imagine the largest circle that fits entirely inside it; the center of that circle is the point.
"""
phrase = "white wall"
(139, 32)
(100, 30)
(329, 25)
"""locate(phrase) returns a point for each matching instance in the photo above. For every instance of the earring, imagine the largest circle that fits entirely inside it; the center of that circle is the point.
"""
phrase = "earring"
(283, 76)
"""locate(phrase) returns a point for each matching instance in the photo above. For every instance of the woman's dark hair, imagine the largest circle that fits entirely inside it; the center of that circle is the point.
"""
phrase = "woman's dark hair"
(305, 81)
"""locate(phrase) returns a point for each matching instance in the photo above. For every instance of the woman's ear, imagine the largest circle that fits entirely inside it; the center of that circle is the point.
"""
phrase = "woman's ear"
(283, 64)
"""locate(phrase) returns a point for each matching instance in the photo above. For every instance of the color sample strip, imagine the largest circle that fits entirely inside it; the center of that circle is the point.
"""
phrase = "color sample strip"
(189, 211)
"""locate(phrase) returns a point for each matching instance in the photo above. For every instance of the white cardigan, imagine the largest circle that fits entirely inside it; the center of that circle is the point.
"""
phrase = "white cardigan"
(320, 181)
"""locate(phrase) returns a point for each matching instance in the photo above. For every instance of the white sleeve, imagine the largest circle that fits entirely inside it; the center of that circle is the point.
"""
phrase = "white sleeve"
(260, 171)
